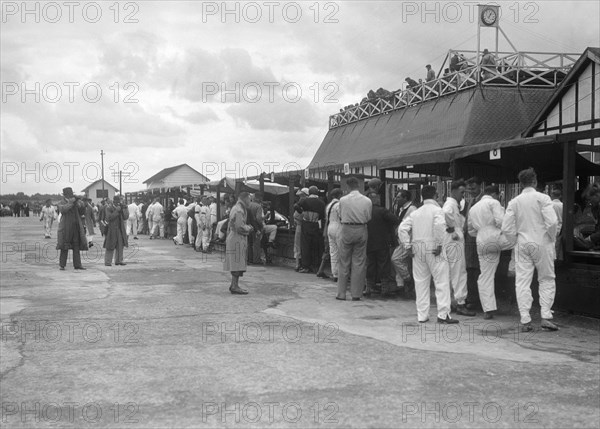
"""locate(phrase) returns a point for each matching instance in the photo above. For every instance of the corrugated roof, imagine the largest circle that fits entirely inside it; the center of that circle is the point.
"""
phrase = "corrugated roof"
(166, 171)
(472, 117)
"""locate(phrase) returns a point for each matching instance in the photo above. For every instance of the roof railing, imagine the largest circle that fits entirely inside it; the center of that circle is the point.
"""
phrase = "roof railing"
(512, 69)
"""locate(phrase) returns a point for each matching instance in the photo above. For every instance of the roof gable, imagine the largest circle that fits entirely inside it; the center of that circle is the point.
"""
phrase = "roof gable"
(170, 170)
(99, 181)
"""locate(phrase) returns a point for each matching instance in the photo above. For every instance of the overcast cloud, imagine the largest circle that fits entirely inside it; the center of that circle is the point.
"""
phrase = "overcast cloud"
(183, 83)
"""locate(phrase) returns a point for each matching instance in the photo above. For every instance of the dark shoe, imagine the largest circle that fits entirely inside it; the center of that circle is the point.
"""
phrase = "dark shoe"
(424, 321)
(304, 270)
(62, 268)
(487, 315)
(108, 265)
(547, 325)
(135, 238)
(526, 327)
(334, 279)
(121, 263)
(322, 275)
(447, 320)
(341, 299)
(355, 299)
(90, 244)
(297, 269)
(238, 291)
(80, 268)
(462, 310)
(472, 306)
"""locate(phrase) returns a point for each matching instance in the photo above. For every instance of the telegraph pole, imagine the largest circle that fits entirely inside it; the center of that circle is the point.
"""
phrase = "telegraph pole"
(102, 157)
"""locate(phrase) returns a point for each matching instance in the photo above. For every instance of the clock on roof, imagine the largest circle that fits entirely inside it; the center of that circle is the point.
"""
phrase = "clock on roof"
(488, 15)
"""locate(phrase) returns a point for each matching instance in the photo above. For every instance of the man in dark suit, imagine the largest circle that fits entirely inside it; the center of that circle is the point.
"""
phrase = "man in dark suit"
(380, 229)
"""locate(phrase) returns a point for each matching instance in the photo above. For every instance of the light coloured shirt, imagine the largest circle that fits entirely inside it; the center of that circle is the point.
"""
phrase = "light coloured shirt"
(558, 209)
(530, 218)
(202, 216)
(453, 217)
(48, 213)
(332, 211)
(409, 207)
(134, 211)
(180, 212)
(355, 208)
(485, 220)
(156, 211)
(426, 224)
(213, 213)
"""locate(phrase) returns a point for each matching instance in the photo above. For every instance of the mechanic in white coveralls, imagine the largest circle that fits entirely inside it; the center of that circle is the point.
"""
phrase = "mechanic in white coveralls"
(531, 220)
(454, 244)
(485, 223)
(424, 231)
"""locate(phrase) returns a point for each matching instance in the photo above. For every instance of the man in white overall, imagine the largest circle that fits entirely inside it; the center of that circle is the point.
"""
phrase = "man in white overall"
(531, 221)
(454, 244)
(427, 226)
(485, 221)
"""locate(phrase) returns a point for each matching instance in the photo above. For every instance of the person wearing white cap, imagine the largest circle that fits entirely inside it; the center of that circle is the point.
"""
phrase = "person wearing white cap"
(301, 194)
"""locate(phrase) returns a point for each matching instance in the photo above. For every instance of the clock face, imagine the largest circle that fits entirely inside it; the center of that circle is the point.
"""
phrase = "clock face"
(488, 16)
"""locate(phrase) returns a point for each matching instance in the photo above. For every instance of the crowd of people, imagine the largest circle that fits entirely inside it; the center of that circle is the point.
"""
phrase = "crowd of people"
(456, 243)
(457, 66)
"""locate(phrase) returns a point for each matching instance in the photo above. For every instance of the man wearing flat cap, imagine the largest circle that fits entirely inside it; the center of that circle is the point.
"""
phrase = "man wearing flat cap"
(71, 232)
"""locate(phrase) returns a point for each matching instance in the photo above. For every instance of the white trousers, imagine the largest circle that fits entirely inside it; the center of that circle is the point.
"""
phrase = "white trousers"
(150, 226)
(181, 230)
(425, 266)
(132, 226)
(333, 234)
(271, 232)
(455, 252)
(203, 236)
(48, 226)
(488, 263)
(158, 225)
(220, 234)
(190, 224)
(530, 256)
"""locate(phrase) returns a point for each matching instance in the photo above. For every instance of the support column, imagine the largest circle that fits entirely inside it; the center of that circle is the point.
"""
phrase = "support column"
(292, 199)
(330, 182)
(383, 187)
(569, 152)
(261, 182)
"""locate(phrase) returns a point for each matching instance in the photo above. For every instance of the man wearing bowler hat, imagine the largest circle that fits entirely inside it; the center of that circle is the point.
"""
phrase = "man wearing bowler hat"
(71, 233)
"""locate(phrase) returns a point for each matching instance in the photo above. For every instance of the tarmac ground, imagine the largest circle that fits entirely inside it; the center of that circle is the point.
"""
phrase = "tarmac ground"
(161, 342)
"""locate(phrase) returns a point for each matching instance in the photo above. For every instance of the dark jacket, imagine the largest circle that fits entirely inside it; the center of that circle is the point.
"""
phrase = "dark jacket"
(71, 232)
(116, 226)
(381, 229)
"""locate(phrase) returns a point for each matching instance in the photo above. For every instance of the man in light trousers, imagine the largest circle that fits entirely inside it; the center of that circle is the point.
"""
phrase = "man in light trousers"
(132, 221)
(454, 246)
(355, 212)
(423, 231)
(334, 227)
(180, 213)
(485, 223)
(530, 220)
(204, 226)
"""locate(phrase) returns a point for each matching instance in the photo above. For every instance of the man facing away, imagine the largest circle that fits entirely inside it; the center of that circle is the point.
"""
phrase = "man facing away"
(423, 232)
(355, 211)
(47, 215)
(180, 213)
(311, 247)
(485, 223)
(157, 215)
(133, 219)
(531, 221)
(454, 243)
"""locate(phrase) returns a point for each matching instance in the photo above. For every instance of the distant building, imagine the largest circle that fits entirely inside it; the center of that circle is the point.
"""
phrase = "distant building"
(94, 191)
(180, 175)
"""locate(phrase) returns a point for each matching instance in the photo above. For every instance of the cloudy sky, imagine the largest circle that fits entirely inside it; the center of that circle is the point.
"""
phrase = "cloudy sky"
(223, 87)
